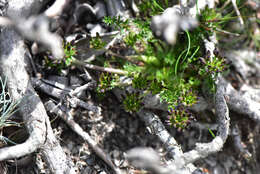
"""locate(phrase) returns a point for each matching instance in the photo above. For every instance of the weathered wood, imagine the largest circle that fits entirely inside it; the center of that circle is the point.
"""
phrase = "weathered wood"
(12, 66)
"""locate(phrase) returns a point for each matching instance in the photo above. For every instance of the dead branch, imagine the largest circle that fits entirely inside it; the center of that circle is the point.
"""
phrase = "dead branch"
(35, 28)
(100, 9)
(240, 104)
(181, 159)
(4, 21)
(12, 65)
(79, 89)
(167, 28)
(115, 7)
(245, 62)
(183, 17)
(156, 127)
(51, 107)
(60, 92)
(249, 92)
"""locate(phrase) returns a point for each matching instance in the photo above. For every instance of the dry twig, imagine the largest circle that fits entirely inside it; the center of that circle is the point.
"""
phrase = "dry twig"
(99, 68)
(156, 127)
(51, 107)
(48, 87)
(234, 3)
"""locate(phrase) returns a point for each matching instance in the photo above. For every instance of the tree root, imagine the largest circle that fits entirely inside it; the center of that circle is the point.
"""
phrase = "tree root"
(240, 104)
(12, 65)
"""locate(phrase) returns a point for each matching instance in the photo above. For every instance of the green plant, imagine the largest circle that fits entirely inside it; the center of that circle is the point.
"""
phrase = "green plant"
(70, 53)
(132, 102)
(212, 133)
(177, 72)
(132, 68)
(116, 22)
(97, 43)
(179, 117)
(213, 66)
(7, 109)
(107, 82)
(152, 7)
(139, 82)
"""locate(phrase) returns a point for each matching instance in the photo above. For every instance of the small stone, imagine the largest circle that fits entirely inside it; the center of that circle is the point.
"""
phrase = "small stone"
(70, 145)
(117, 162)
(235, 172)
(97, 167)
(75, 81)
(97, 29)
(88, 170)
(90, 160)
(219, 170)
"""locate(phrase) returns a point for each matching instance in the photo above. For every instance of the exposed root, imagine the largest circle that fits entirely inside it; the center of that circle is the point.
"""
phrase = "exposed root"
(12, 66)
(204, 149)
(239, 104)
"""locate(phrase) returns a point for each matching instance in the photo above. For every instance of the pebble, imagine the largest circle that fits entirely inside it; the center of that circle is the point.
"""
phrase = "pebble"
(90, 160)
(218, 170)
(88, 170)
(235, 172)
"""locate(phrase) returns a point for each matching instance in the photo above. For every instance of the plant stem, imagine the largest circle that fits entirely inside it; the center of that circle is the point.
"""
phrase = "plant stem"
(99, 68)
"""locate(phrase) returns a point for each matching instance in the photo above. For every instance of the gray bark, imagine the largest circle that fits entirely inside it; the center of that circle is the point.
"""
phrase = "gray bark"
(12, 66)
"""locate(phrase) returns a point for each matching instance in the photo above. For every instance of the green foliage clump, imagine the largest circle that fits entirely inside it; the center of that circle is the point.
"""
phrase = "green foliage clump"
(107, 82)
(132, 102)
(132, 68)
(152, 7)
(138, 31)
(155, 87)
(139, 82)
(70, 53)
(116, 22)
(211, 20)
(97, 43)
(214, 66)
(178, 93)
(175, 72)
(179, 117)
